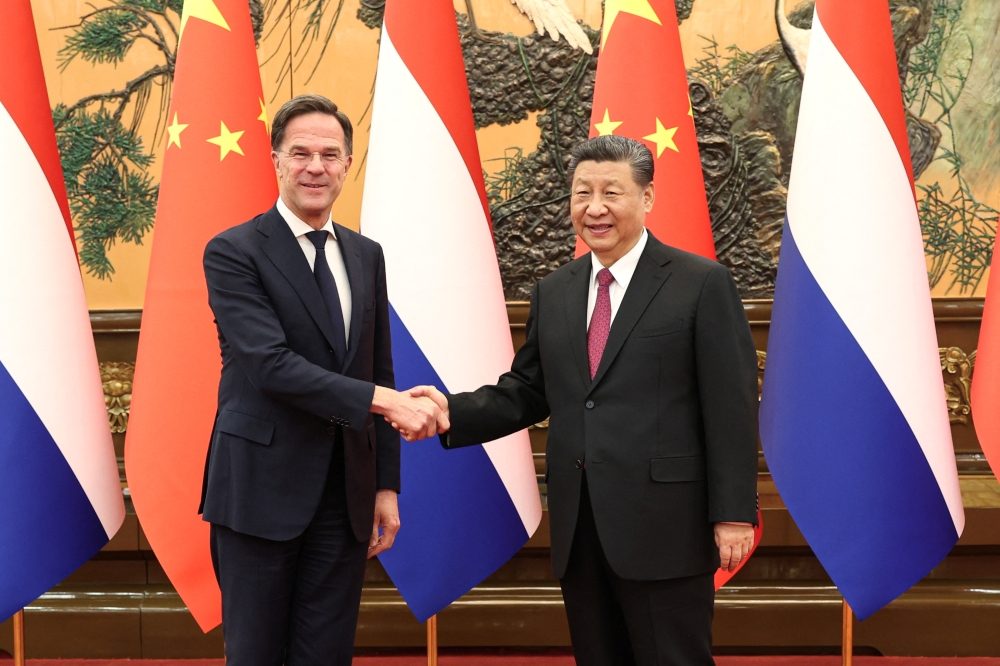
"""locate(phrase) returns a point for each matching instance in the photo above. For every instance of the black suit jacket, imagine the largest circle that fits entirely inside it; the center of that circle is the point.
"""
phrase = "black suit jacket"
(668, 427)
(283, 394)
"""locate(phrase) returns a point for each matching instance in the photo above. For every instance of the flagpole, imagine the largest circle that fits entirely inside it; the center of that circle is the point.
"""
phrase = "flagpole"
(19, 638)
(847, 636)
(432, 640)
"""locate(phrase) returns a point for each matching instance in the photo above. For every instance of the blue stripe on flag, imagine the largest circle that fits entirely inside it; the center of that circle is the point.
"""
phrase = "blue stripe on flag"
(48, 527)
(458, 523)
(840, 451)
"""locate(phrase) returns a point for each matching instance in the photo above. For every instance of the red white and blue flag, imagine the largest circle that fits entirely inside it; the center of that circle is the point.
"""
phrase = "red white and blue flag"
(853, 417)
(464, 512)
(59, 486)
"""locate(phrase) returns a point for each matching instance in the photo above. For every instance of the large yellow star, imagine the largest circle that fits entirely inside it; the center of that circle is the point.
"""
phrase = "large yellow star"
(612, 8)
(607, 126)
(663, 138)
(263, 116)
(204, 10)
(228, 142)
(174, 132)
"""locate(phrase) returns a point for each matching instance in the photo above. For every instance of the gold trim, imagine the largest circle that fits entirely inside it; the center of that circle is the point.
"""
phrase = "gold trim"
(117, 381)
(958, 382)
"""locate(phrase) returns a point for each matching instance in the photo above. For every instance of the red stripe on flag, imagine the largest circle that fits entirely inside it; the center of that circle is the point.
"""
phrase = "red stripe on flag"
(986, 381)
(425, 35)
(23, 94)
(862, 32)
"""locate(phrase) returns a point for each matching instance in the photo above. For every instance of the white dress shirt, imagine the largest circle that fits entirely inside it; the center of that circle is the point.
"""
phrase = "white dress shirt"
(334, 258)
(622, 271)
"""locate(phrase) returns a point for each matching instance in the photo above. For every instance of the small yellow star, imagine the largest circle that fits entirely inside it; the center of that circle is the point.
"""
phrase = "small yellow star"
(228, 142)
(204, 10)
(263, 116)
(174, 132)
(606, 126)
(690, 107)
(612, 8)
(663, 138)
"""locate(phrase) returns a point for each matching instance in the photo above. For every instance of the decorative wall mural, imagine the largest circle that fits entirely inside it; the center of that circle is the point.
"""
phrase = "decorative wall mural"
(531, 67)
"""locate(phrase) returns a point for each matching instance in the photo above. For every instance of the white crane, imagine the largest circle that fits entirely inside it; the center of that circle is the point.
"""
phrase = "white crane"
(552, 16)
(794, 40)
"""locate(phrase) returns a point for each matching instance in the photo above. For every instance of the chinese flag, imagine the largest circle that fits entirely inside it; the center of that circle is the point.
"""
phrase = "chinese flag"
(641, 92)
(986, 381)
(216, 173)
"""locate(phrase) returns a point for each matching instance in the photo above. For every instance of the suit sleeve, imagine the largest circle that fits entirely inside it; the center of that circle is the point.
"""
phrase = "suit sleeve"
(727, 381)
(250, 326)
(515, 402)
(387, 475)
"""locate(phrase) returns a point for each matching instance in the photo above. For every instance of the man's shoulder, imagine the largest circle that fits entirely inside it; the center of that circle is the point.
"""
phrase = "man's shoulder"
(244, 233)
(366, 244)
(682, 261)
(562, 275)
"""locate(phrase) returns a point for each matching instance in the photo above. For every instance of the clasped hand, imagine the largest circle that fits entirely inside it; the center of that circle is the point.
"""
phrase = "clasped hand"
(418, 413)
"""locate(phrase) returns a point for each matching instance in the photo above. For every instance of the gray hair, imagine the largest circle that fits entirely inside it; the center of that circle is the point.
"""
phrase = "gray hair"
(614, 148)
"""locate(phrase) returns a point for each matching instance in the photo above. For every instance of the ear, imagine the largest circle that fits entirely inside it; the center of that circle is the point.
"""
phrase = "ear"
(648, 197)
(274, 160)
(348, 163)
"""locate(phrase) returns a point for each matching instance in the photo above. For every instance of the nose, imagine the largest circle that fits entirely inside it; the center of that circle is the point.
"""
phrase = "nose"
(597, 207)
(315, 164)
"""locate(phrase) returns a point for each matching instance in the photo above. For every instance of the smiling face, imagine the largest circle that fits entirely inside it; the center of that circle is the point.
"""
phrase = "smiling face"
(312, 163)
(608, 208)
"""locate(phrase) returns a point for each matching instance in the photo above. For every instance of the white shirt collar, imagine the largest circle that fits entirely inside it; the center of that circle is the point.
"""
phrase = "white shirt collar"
(623, 269)
(298, 227)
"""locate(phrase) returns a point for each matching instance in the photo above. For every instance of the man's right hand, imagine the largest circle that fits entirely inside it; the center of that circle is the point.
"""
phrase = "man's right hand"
(440, 399)
(415, 417)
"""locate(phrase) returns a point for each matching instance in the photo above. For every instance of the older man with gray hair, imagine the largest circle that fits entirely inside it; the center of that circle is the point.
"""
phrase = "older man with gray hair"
(641, 357)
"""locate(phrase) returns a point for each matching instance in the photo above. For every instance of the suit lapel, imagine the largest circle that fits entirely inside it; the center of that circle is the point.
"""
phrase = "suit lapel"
(576, 315)
(650, 274)
(351, 251)
(284, 251)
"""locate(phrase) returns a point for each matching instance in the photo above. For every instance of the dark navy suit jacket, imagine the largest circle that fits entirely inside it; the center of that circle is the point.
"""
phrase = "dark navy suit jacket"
(284, 394)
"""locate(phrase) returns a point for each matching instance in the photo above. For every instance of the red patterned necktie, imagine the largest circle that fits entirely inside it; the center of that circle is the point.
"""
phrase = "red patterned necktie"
(600, 321)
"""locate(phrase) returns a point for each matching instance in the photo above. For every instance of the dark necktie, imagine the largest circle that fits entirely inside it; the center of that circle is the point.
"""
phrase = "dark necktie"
(328, 289)
(600, 321)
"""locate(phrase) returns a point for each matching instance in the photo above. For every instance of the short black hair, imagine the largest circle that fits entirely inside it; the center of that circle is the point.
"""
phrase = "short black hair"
(614, 148)
(300, 106)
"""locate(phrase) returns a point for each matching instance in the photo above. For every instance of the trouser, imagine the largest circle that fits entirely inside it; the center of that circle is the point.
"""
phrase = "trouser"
(293, 602)
(614, 621)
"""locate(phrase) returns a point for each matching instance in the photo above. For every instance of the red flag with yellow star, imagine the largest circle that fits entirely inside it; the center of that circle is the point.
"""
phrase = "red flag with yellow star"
(641, 92)
(216, 173)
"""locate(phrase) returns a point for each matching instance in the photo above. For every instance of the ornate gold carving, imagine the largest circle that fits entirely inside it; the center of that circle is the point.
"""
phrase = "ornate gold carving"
(761, 361)
(117, 381)
(958, 382)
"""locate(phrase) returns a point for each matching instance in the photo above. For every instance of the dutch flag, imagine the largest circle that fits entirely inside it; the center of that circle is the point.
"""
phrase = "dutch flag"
(853, 417)
(59, 486)
(464, 512)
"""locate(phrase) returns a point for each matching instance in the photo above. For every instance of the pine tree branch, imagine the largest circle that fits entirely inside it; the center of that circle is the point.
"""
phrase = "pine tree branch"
(122, 95)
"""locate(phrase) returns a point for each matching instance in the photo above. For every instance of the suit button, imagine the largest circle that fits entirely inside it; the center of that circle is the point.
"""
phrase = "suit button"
(578, 464)
(590, 404)
(331, 431)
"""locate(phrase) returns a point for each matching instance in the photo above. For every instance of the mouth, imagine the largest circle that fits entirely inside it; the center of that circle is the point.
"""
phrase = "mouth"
(312, 186)
(599, 229)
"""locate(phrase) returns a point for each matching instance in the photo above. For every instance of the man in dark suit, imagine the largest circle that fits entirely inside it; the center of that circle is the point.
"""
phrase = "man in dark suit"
(303, 470)
(641, 356)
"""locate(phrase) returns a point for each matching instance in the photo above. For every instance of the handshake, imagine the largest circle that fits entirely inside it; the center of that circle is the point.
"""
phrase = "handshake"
(418, 413)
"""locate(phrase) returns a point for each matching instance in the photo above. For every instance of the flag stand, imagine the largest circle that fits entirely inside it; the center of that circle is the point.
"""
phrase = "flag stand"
(847, 636)
(432, 640)
(19, 638)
